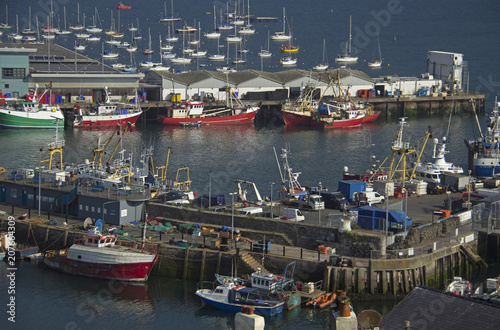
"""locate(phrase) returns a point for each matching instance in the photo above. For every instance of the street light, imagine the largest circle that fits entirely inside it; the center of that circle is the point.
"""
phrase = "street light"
(272, 183)
(232, 215)
(210, 190)
(468, 190)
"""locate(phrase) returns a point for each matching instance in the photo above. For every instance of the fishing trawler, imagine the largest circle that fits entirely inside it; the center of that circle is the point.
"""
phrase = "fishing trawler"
(106, 114)
(97, 255)
(31, 113)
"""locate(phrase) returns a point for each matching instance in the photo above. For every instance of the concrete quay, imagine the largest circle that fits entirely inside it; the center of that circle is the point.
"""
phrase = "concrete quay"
(358, 265)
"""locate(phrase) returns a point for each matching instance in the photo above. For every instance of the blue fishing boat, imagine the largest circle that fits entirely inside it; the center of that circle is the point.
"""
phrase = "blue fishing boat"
(484, 151)
(231, 297)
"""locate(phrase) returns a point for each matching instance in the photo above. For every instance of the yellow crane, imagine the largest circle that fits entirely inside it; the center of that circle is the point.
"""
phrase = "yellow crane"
(401, 167)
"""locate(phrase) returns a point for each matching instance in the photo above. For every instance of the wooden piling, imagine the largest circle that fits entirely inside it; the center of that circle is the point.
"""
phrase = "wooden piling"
(186, 260)
(203, 258)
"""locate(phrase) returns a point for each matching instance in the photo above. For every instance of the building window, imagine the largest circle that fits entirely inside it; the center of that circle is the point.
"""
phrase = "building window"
(13, 73)
(7, 86)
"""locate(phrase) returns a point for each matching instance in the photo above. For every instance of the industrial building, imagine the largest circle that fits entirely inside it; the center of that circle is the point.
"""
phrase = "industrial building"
(160, 85)
(73, 76)
(448, 67)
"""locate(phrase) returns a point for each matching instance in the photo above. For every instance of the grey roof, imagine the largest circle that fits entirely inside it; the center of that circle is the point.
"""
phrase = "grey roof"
(62, 59)
(281, 77)
(427, 308)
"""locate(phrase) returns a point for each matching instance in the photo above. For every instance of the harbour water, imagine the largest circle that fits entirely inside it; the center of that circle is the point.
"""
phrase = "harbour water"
(51, 300)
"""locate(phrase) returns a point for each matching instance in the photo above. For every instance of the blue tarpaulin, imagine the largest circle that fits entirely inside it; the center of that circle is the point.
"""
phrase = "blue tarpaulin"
(371, 217)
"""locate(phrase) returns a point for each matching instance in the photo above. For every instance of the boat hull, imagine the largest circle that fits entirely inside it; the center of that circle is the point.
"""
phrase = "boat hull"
(268, 311)
(19, 119)
(296, 119)
(370, 118)
(341, 123)
(244, 119)
(137, 272)
(22, 253)
(107, 121)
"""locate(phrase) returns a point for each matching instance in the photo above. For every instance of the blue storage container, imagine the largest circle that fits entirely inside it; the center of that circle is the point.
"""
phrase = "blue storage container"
(349, 187)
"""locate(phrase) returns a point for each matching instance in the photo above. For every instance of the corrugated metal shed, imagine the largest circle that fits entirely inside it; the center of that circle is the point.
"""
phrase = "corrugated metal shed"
(428, 308)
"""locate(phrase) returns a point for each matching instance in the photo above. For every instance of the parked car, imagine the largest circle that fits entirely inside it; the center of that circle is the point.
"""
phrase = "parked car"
(270, 215)
(434, 188)
(218, 208)
(334, 200)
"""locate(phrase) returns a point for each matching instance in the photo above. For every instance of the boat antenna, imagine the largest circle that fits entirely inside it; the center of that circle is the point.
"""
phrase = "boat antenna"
(279, 167)
(449, 120)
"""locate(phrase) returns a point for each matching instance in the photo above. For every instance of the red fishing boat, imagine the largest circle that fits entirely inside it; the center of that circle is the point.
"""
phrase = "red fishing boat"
(194, 112)
(106, 114)
(122, 6)
(100, 257)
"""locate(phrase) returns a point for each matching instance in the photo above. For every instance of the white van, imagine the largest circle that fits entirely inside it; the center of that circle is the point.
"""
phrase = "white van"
(292, 215)
(251, 210)
(372, 197)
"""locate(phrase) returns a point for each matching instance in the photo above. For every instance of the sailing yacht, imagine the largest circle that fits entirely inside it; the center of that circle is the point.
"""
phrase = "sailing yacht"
(377, 62)
(64, 31)
(6, 26)
(29, 31)
(225, 26)
(149, 50)
(288, 60)
(280, 36)
(248, 28)
(215, 34)
(181, 59)
(233, 38)
(78, 26)
(159, 66)
(324, 64)
(94, 28)
(347, 57)
(265, 52)
(169, 19)
(217, 56)
(16, 36)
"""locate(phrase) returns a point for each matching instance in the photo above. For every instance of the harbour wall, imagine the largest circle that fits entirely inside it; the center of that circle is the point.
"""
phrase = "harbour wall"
(391, 107)
(397, 277)
(174, 261)
(380, 277)
(489, 246)
(294, 233)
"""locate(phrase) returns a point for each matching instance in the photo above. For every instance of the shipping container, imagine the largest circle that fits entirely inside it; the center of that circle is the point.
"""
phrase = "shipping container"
(349, 187)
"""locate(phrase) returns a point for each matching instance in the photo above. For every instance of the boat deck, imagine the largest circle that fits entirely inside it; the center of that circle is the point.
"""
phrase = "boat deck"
(305, 297)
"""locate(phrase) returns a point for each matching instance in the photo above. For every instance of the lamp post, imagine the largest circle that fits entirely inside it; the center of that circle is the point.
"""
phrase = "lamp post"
(319, 210)
(40, 185)
(468, 190)
(232, 215)
(272, 183)
(210, 190)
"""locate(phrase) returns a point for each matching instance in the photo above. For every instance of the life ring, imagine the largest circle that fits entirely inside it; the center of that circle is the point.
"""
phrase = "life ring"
(2, 170)
(488, 153)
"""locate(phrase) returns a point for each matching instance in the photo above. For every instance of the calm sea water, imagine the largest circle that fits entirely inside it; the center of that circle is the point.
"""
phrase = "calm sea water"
(407, 29)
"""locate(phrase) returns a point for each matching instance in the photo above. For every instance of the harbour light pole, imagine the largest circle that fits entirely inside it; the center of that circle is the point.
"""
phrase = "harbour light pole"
(272, 216)
(210, 189)
(232, 215)
(468, 191)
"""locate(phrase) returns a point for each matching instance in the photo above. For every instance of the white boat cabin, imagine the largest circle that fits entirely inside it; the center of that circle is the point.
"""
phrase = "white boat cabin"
(266, 281)
(190, 109)
(94, 238)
